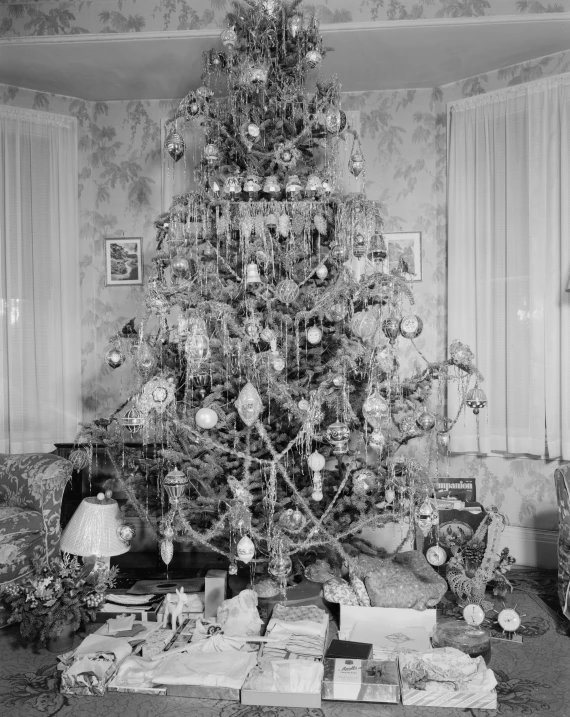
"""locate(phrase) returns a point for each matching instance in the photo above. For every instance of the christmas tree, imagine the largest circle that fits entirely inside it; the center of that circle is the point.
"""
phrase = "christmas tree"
(267, 357)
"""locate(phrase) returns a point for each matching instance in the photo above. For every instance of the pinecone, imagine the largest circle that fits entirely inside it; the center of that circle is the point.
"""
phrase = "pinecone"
(473, 552)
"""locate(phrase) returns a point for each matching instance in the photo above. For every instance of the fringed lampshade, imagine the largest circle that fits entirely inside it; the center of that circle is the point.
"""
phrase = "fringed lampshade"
(93, 531)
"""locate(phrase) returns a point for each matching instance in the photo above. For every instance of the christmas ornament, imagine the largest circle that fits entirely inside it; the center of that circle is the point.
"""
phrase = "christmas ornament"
(427, 515)
(313, 58)
(320, 223)
(476, 399)
(312, 186)
(206, 418)
(229, 38)
(280, 566)
(232, 186)
(335, 120)
(174, 483)
(253, 131)
(174, 145)
(180, 266)
(267, 335)
(278, 362)
(338, 381)
(252, 274)
(359, 246)
(271, 221)
(166, 551)
(233, 569)
(377, 441)
(133, 420)
(245, 549)
(436, 556)
(79, 459)
(273, 188)
(411, 326)
(304, 405)
(391, 328)
(197, 349)
(252, 187)
(284, 225)
(316, 461)
(426, 421)
(364, 324)
(314, 335)
(356, 162)
(157, 395)
(317, 493)
(248, 404)
(337, 435)
(326, 187)
(390, 495)
(287, 291)
(292, 520)
(193, 109)
(377, 249)
(375, 409)
(115, 357)
(211, 153)
(460, 354)
(322, 272)
(126, 532)
(258, 74)
(443, 439)
(145, 358)
(364, 482)
(293, 188)
(294, 24)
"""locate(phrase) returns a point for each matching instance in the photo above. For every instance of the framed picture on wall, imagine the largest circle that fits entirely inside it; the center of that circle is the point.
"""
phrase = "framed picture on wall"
(405, 250)
(123, 261)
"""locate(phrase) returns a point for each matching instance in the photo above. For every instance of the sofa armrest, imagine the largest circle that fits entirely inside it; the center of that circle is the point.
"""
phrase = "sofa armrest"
(36, 481)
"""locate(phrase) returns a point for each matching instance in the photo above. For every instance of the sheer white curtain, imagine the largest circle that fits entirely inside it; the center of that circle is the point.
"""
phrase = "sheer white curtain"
(509, 263)
(40, 359)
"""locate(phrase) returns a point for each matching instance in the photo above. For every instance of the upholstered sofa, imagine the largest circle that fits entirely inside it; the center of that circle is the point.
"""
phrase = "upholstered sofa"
(562, 482)
(31, 491)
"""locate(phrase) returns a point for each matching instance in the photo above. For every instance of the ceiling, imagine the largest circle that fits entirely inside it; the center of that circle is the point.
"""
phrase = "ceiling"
(367, 56)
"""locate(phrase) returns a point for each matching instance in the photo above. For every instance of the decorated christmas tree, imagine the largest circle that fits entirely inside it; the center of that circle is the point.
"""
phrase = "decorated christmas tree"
(267, 355)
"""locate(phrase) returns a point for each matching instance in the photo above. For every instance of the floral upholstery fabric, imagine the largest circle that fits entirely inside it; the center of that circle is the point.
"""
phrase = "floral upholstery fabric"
(562, 481)
(31, 490)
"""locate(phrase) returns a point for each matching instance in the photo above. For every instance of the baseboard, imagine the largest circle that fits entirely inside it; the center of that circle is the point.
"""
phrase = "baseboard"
(531, 547)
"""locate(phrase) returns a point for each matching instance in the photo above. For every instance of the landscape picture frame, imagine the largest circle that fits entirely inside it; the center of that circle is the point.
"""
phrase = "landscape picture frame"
(123, 261)
(407, 245)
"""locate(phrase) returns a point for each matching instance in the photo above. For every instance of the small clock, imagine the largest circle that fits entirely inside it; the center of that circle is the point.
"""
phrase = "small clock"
(473, 614)
(411, 326)
(509, 619)
(436, 555)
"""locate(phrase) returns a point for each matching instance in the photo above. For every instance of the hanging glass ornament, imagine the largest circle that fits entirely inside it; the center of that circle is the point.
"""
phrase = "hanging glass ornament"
(145, 358)
(197, 349)
(322, 272)
(211, 153)
(443, 439)
(320, 224)
(180, 266)
(280, 566)
(206, 418)
(258, 74)
(364, 324)
(287, 291)
(389, 495)
(313, 58)
(79, 459)
(476, 399)
(267, 335)
(232, 186)
(271, 221)
(377, 251)
(377, 441)
(248, 404)
(133, 420)
(126, 532)
(193, 109)
(326, 187)
(317, 493)
(292, 520)
(229, 38)
(336, 312)
(316, 461)
(425, 421)
(312, 186)
(293, 188)
(391, 328)
(375, 409)
(245, 549)
(304, 405)
(166, 551)
(273, 188)
(314, 335)
(356, 161)
(335, 120)
(174, 483)
(115, 357)
(427, 515)
(294, 24)
(411, 326)
(364, 482)
(232, 569)
(252, 187)
(252, 274)
(157, 395)
(337, 435)
(359, 246)
(339, 251)
(253, 131)
(202, 382)
(277, 362)
(174, 145)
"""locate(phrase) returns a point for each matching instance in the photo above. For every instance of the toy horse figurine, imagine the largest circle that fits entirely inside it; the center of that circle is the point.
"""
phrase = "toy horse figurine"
(173, 607)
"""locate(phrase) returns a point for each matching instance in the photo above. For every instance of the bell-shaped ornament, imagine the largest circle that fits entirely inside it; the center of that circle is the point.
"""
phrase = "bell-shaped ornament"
(252, 274)
(248, 404)
(211, 153)
(272, 187)
(175, 146)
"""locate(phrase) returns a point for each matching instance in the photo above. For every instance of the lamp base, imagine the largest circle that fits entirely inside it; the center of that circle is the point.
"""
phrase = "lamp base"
(100, 563)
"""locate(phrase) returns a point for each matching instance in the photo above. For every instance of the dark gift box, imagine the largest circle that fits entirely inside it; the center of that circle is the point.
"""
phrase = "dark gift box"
(346, 649)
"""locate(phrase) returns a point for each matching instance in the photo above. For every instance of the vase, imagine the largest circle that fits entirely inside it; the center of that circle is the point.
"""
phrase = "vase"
(64, 641)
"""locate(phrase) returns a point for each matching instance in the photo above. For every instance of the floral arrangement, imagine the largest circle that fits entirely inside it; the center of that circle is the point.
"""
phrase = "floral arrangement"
(58, 593)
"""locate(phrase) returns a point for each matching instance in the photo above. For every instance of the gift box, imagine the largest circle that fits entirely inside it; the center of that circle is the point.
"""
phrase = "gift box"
(203, 692)
(113, 610)
(349, 650)
(361, 680)
(113, 686)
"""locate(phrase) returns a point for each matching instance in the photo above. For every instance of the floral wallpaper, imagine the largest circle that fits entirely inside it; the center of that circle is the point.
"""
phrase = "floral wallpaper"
(122, 180)
(66, 17)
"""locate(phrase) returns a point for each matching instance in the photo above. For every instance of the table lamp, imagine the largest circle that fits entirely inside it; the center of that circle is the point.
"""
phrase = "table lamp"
(94, 531)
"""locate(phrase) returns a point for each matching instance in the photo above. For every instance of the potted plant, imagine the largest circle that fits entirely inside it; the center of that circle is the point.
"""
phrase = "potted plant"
(59, 597)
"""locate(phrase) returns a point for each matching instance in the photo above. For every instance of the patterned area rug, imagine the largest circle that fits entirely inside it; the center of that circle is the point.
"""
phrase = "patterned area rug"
(534, 678)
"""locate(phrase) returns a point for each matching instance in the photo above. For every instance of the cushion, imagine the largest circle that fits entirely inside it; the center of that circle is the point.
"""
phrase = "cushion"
(18, 521)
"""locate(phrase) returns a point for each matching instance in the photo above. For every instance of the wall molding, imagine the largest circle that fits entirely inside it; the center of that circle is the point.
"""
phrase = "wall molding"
(531, 547)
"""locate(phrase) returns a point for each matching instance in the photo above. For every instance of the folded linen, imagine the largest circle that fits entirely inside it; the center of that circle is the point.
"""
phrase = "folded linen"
(221, 669)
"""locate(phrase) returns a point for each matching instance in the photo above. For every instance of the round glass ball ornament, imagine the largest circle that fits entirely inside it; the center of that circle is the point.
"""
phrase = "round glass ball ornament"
(313, 58)
(321, 271)
(335, 120)
(197, 348)
(79, 459)
(287, 291)
(391, 328)
(267, 335)
(180, 266)
(411, 326)
(245, 549)
(364, 324)
(280, 566)
(175, 146)
(364, 482)
(115, 357)
(425, 421)
(278, 362)
(316, 461)
(338, 381)
(304, 405)
(314, 335)
(206, 418)
(126, 532)
(292, 520)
